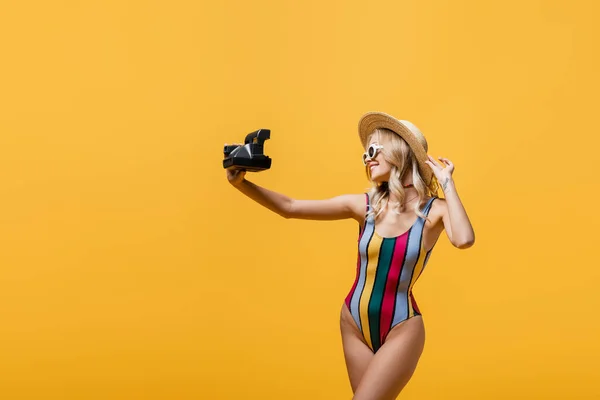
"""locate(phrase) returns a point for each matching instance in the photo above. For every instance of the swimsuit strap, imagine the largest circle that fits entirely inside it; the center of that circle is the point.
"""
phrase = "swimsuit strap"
(367, 219)
(427, 207)
(368, 203)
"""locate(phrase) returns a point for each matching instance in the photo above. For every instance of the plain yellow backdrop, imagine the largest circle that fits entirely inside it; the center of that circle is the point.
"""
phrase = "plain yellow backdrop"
(130, 268)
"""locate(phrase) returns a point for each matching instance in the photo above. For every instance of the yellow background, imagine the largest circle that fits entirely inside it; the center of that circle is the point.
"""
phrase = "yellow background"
(130, 269)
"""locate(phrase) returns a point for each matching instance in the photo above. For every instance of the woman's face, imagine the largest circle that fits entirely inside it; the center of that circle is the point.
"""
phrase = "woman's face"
(379, 168)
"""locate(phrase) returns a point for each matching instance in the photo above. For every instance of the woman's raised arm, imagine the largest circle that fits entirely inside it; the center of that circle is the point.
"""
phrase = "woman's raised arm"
(338, 207)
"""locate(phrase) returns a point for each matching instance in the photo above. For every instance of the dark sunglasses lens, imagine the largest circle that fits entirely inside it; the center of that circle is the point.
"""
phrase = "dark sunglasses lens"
(372, 151)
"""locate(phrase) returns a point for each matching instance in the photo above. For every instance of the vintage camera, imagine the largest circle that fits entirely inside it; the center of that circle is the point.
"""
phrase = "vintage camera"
(250, 156)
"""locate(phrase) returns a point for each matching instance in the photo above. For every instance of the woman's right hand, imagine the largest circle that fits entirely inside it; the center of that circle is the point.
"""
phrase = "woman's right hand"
(235, 176)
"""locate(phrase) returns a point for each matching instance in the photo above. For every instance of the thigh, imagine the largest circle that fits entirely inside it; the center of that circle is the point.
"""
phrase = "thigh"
(356, 352)
(394, 363)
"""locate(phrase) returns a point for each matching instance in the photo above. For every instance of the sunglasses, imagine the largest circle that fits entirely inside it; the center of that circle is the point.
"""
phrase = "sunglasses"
(371, 153)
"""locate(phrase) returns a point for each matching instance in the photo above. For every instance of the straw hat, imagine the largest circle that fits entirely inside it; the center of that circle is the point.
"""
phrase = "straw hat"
(405, 129)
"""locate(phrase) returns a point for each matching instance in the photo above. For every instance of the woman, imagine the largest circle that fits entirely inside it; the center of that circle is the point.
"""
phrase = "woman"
(400, 218)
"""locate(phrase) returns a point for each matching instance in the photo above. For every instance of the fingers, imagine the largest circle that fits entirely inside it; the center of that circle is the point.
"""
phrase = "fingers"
(434, 167)
(432, 162)
(445, 160)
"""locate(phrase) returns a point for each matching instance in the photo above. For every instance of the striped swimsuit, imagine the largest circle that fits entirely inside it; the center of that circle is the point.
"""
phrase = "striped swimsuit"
(387, 269)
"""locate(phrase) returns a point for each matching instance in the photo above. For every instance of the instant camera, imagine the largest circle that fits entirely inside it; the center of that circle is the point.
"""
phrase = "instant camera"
(249, 156)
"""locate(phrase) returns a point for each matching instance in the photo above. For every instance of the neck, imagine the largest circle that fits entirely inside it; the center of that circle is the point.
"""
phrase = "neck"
(410, 193)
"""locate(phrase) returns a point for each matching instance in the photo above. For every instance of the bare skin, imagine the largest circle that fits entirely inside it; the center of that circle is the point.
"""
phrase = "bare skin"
(382, 375)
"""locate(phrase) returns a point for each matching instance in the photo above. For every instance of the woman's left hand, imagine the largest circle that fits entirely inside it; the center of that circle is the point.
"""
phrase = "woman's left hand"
(444, 172)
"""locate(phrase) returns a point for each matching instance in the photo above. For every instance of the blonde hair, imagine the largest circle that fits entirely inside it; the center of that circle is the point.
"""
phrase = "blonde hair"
(402, 160)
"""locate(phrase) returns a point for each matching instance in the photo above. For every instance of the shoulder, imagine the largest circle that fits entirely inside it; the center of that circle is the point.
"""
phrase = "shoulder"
(357, 203)
(438, 204)
(439, 208)
(357, 200)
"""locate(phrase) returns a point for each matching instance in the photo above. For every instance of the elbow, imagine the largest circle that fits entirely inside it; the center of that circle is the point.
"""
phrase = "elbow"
(465, 243)
(286, 214)
(287, 210)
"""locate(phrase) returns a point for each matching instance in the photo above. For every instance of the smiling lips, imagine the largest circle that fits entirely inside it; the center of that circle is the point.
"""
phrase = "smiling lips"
(372, 165)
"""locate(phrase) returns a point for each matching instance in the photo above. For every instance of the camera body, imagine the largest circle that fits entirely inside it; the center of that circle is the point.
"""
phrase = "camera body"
(249, 156)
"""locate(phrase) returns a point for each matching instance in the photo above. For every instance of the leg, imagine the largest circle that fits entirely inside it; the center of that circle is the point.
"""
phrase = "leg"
(394, 363)
(356, 352)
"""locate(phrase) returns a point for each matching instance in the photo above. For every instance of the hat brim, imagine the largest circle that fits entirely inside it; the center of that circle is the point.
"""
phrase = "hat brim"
(373, 120)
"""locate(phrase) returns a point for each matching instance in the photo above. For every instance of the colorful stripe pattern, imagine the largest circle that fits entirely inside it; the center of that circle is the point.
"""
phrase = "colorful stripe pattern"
(387, 268)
